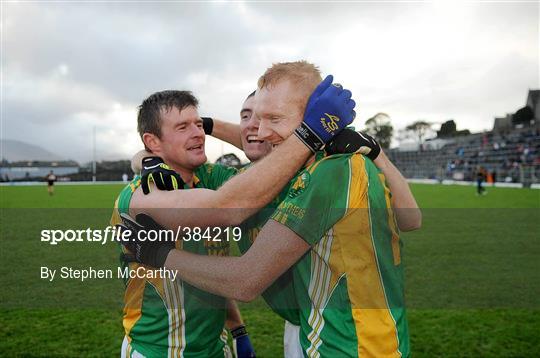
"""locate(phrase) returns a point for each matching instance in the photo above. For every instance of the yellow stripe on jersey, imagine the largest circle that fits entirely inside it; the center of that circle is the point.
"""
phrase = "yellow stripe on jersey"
(375, 327)
(133, 298)
(319, 290)
(115, 218)
(391, 222)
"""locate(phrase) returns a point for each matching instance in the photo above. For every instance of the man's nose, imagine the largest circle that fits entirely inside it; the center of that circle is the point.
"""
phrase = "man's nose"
(264, 132)
(253, 123)
(197, 131)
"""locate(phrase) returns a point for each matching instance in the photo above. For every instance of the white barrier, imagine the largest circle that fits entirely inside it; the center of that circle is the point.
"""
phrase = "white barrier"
(414, 181)
(38, 183)
(470, 183)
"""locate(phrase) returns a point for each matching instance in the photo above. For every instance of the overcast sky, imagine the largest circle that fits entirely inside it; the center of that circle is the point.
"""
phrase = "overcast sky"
(69, 67)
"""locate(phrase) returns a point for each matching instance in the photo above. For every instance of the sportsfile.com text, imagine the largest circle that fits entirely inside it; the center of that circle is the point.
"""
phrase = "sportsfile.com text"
(112, 234)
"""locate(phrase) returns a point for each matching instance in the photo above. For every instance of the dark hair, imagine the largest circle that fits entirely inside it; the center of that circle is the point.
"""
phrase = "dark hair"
(149, 117)
(250, 95)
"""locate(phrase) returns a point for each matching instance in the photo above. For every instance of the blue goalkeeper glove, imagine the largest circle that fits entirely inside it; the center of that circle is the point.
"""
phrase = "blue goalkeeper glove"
(329, 110)
(242, 346)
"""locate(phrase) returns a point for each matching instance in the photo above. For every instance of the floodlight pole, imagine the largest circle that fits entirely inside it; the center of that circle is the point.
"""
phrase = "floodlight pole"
(94, 155)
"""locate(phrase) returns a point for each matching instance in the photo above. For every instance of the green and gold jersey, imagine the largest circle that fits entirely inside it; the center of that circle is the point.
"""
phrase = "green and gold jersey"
(349, 286)
(280, 295)
(170, 318)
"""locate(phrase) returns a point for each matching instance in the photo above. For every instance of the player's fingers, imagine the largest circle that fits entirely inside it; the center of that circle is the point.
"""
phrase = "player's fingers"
(325, 83)
(346, 95)
(167, 182)
(160, 182)
(350, 109)
(129, 223)
(178, 182)
(321, 87)
(364, 137)
(147, 222)
(332, 91)
(145, 188)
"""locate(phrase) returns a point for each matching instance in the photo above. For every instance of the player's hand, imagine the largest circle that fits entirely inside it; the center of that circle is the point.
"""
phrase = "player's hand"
(155, 170)
(350, 141)
(242, 346)
(329, 110)
(151, 253)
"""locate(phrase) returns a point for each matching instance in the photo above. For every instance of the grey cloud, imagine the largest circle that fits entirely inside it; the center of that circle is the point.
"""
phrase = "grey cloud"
(122, 52)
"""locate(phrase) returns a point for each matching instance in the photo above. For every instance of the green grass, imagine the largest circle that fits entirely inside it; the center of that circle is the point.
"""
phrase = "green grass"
(472, 276)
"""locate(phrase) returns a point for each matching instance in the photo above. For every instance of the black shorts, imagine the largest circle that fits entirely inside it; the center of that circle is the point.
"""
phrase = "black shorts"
(51, 182)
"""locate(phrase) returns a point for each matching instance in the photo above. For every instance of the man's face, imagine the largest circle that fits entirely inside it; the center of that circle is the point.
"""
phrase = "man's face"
(254, 148)
(182, 138)
(279, 111)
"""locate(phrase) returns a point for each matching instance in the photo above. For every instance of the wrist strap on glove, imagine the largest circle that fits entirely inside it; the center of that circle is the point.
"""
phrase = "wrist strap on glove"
(309, 137)
(239, 331)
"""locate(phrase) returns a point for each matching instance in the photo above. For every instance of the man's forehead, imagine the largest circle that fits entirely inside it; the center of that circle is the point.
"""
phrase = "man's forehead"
(177, 114)
(248, 104)
(279, 95)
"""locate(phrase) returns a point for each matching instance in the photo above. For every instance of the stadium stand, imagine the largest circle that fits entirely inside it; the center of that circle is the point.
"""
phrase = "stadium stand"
(509, 153)
(513, 157)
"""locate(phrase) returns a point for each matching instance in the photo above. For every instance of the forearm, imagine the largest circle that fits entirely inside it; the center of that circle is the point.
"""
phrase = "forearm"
(408, 215)
(266, 178)
(234, 318)
(214, 274)
(227, 132)
(242, 278)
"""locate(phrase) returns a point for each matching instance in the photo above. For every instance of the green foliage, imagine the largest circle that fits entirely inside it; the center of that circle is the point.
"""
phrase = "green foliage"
(380, 128)
(419, 130)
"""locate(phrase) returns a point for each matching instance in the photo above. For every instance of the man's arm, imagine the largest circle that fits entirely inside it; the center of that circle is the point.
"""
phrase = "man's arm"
(256, 187)
(234, 318)
(242, 346)
(265, 180)
(276, 249)
(408, 215)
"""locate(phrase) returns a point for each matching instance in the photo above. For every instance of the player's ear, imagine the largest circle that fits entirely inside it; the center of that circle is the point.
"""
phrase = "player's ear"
(152, 142)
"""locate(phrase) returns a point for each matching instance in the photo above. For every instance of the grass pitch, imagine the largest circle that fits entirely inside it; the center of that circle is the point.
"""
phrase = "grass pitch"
(472, 276)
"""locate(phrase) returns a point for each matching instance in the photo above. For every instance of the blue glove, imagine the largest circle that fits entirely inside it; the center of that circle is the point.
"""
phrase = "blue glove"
(329, 110)
(242, 346)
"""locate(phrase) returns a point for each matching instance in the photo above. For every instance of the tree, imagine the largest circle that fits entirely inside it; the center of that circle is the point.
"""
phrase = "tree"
(448, 129)
(419, 130)
(523, 116)
(380, 128)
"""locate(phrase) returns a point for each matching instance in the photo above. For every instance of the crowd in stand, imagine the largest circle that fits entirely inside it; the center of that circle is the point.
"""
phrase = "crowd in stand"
(503, 156)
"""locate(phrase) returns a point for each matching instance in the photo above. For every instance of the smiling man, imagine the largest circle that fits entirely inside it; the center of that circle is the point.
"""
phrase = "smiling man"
(335, 227)
(171, 318)
(254, 148)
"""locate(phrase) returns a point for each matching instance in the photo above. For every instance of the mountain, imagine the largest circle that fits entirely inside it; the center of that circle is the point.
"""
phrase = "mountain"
(14, 150)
